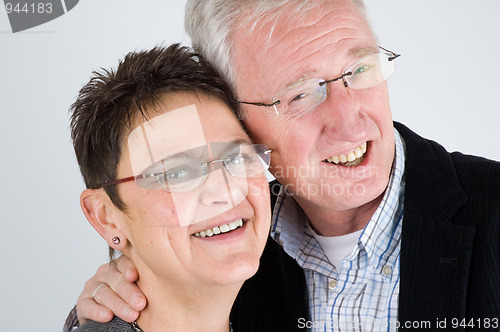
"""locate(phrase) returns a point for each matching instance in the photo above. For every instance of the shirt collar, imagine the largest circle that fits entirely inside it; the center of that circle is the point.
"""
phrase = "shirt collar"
(385, 224)
(288, 226)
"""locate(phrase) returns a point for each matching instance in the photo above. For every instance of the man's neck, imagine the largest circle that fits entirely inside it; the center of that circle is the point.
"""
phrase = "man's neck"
(180, 308)
(329, 222)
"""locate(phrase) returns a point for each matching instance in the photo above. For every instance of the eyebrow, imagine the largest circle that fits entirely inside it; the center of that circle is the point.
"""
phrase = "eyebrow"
(359, 52)
(183, 154)
(236, 142)
(241, 141)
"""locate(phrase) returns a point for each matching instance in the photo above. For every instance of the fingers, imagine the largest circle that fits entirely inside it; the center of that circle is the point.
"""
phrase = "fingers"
(111, 291)
(87, 309)
(127, 268)
(105, 297)
(125, 285)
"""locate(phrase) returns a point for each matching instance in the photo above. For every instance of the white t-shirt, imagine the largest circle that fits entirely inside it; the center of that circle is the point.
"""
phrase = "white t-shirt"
(336, 248)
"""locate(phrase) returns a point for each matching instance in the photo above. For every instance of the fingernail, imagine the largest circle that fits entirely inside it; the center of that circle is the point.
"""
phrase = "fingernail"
(104, 314)
(135, 300)
(127, 312)
(127, 274)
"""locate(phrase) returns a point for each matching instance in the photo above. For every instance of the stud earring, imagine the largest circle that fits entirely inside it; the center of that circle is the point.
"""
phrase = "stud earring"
(116, 240)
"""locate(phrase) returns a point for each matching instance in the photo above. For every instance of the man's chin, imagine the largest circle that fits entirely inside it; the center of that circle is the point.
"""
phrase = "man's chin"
(340, 196)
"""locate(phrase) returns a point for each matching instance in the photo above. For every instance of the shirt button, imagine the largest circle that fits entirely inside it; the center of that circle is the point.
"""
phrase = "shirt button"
(332, 284)
(387, 270)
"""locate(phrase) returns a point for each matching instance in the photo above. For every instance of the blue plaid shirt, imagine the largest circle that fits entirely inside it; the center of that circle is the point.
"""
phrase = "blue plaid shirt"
(362, 294)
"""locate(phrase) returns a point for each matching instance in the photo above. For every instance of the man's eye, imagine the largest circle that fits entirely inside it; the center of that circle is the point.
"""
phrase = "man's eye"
(361, 69)
(298, 97)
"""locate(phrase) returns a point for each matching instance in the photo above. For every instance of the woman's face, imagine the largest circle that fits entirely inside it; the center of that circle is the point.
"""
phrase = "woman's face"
(164, 228)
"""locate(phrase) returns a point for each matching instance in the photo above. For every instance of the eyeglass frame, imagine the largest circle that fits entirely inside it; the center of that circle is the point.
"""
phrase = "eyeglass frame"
(157, 174)
(324, 82)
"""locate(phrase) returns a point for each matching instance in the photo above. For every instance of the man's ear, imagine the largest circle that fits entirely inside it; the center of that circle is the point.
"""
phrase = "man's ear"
(99, 211)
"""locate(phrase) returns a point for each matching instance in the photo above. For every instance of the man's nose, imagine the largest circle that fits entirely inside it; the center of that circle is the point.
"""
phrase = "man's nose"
(341, 111)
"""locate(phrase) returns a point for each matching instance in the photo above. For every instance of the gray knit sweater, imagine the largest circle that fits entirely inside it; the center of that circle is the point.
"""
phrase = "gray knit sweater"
(115, 325)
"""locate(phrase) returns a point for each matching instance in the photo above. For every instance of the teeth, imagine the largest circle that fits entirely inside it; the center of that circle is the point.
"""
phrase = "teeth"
(351, 157)
(220, 229)
(363, 147)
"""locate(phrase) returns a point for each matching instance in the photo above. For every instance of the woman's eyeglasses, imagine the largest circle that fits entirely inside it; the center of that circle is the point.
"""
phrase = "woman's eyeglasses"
(184, 171)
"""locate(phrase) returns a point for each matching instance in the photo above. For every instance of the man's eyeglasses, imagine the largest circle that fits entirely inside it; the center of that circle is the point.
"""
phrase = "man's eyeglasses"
(304, 96)
(184, 171)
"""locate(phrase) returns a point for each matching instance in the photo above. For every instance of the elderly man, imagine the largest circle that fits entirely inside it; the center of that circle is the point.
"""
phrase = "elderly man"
(389, 229)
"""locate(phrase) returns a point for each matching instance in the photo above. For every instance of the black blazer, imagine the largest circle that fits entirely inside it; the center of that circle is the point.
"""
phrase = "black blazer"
(450, 250)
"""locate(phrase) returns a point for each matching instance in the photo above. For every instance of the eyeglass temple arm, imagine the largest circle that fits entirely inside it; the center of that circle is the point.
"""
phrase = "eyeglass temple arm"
(112, 183)
(127, 179)
(394, 55)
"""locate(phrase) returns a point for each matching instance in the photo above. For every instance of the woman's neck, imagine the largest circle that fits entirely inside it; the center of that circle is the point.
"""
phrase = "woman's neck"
(186, 308)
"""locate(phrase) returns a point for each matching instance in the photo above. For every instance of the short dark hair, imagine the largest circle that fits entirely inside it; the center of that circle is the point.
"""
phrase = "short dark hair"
(109, 104)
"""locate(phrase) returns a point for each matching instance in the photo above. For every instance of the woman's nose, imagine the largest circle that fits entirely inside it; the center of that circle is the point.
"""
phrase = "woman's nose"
(222, 189)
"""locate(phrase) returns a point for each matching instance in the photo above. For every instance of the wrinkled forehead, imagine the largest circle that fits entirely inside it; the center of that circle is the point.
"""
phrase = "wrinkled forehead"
(264, 20)
(166, 134)
(317, 42)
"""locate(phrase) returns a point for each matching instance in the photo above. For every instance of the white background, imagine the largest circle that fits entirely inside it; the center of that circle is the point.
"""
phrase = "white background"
(446, 88)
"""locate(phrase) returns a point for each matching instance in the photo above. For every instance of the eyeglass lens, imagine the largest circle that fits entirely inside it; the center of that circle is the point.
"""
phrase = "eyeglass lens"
(305, 95)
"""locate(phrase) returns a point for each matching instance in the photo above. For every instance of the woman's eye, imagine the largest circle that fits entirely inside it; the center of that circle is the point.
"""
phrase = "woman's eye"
(179, 174)
(235, 159)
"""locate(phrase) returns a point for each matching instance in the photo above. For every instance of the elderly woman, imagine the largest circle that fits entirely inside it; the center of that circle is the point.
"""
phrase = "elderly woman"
(175, 184)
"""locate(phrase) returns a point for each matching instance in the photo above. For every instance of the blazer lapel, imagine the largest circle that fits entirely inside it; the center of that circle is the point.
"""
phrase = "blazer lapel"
(435, 253)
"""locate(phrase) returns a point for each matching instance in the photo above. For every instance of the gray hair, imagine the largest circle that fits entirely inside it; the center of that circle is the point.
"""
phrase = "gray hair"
(209, 23)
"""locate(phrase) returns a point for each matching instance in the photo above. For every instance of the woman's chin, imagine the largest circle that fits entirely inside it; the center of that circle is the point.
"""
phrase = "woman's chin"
(236, 272)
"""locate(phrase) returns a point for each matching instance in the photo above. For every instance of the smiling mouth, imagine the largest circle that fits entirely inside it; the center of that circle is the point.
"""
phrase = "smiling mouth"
(221, 229)
(352, 158)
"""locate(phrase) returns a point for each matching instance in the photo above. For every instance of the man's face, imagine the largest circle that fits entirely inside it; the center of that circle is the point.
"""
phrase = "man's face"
(322, 44)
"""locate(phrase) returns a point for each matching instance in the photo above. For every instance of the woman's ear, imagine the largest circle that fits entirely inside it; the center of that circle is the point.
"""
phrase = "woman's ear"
(99, 211)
